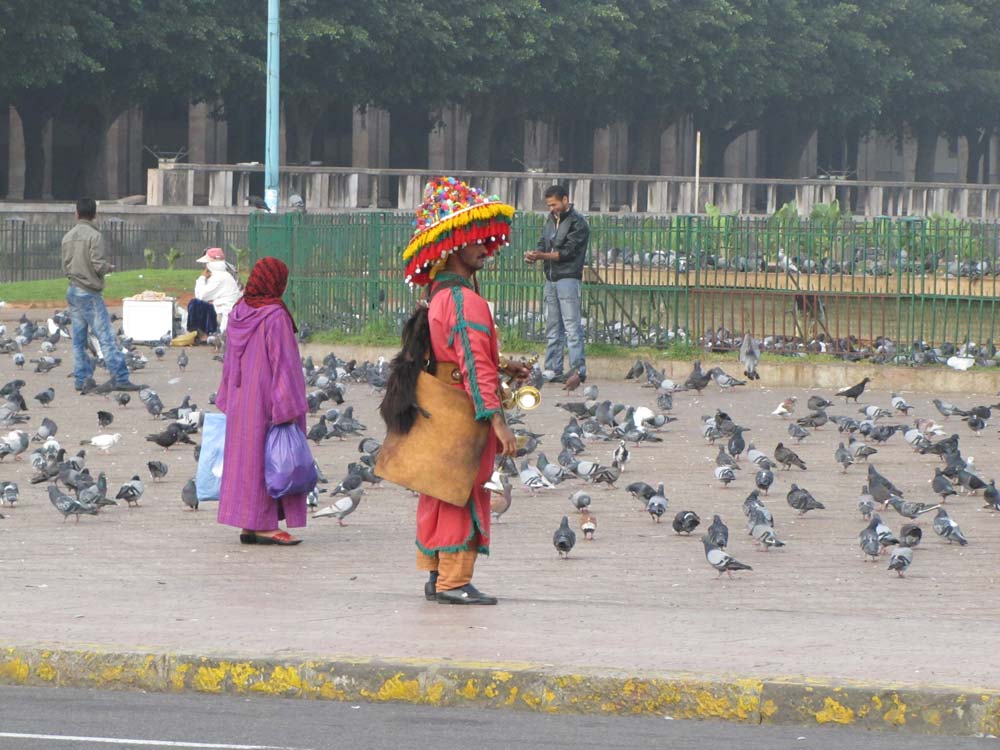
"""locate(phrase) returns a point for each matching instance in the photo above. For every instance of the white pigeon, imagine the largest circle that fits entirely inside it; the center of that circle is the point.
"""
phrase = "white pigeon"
(960, 363)
(104, 442)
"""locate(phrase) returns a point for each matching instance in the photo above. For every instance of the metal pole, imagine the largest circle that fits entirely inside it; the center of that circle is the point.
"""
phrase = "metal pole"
(271, 154)
(697, 169)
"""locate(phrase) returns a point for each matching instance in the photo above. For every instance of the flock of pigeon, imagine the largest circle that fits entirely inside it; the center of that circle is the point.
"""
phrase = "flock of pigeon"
(594, 426)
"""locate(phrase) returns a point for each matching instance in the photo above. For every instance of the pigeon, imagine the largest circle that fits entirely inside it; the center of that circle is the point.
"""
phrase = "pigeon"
(620, 456)
(532, 478)
(885, 536)
(843, 457)
(656, 506)
(121, 398)
(900, 560)
(869, 541)
(189, 495)
(131, 491)
(718, 532)
(46, 397)
(797, 432)
(724, 459)
(104, 441)
(564, 538)
(725, 474)
(866, 503)
(818, 403)
(910, 535)
(9, 492)
(942, 485)
(749, 357)
(788, 458)
(723, 379)
(854, 391)
(642, 491)
(900, 405)
(946, 528)
(157, 469)
(763, 480)
(721, 560)
(342, 506)
(104, 419)
(68, 505)
(14, 444)
(765, 536)
(785, 408)
(588, 524)
(992, 496)
(685, 522)
(170, 436)
(802, 500)
(909, 509)
(255, 201)
(580, 500)
(500, 493)
(947, 409)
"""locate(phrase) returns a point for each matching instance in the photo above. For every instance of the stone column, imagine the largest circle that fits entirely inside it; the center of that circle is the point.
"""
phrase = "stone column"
(207, 144)
(541, 146)
(610, 157)
(448, 142)
(15, 158)
(123, 164)
(370, 149)
(677, 148)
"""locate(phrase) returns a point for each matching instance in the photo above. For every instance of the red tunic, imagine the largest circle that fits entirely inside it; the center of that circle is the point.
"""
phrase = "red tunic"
(462, 332)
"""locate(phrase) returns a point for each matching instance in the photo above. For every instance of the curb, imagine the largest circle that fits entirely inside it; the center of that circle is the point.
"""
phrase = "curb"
(787, 374)
(533, 687)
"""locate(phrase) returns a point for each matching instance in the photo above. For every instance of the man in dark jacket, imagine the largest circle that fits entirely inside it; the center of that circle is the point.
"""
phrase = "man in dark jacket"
(86, 263)
(563, 250)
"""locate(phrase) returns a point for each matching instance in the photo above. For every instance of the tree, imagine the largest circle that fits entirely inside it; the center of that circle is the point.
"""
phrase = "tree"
(45, 41)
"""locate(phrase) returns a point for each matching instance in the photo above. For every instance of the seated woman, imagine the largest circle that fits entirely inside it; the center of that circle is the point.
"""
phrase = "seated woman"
(215, 294)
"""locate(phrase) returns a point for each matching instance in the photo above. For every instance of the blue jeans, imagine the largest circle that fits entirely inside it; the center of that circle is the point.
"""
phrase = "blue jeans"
(89, 315)
(563, 326)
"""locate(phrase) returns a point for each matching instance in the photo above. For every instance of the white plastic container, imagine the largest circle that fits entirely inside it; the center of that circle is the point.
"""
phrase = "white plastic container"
(148, 320)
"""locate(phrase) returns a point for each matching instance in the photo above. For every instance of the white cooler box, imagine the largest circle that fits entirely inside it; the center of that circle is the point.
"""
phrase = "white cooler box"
(148, 319)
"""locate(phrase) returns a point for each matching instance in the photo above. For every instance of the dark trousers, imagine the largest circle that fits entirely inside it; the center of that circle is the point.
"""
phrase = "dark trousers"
(201, 317)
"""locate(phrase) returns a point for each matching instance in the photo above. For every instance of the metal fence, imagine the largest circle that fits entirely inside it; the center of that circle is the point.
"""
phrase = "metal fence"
(31, 251)
(832, 284)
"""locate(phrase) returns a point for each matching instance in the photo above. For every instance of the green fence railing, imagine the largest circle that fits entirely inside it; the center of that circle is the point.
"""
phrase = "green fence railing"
(649, 280)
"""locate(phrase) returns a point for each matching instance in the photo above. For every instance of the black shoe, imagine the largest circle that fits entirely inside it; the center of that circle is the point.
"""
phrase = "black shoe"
(430, 588)
(467, 594)
(560, 378)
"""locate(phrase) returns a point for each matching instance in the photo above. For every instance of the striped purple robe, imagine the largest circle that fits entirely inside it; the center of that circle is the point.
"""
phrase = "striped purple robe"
(262, 384)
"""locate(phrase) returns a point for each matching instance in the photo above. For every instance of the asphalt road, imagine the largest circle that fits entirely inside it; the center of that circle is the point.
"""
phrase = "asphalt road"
(70, 719)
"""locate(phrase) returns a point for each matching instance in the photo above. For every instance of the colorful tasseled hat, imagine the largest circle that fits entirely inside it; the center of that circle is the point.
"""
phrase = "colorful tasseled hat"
(452, 215)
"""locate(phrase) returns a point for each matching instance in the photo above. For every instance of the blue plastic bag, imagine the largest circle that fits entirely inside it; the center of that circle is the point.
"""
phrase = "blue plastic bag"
(289, 468)
(208, 479)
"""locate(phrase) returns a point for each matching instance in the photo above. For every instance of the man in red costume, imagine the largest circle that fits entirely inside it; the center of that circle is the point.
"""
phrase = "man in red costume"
(457, 229)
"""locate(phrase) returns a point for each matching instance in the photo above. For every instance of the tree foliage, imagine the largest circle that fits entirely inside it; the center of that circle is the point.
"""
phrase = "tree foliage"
(786, 68)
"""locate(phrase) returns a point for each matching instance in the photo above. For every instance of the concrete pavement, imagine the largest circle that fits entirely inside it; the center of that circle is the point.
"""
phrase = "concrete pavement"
(634, 622)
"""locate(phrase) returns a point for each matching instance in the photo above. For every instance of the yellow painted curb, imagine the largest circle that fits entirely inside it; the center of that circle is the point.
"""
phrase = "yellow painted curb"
(930, 710)
(789, 373)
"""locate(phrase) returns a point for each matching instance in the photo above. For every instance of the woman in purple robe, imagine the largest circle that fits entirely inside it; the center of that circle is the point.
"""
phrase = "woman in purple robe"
(262, 385)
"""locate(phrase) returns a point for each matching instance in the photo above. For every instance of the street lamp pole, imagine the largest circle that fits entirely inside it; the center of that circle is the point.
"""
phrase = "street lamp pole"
(271, 153)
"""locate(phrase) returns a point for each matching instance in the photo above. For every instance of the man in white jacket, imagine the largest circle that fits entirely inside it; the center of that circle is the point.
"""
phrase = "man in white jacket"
(216, 290)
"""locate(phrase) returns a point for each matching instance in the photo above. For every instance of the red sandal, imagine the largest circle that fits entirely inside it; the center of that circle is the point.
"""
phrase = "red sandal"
(282, 538)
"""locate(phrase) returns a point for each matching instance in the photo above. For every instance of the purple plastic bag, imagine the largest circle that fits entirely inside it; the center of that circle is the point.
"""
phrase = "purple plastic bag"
(289, 468)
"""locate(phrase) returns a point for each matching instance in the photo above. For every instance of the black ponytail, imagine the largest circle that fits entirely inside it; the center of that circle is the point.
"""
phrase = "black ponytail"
(399, 405)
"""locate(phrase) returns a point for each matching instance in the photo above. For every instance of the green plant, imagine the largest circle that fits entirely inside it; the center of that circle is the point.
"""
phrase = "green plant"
(171, 257)
(149, 254)
(242, 256)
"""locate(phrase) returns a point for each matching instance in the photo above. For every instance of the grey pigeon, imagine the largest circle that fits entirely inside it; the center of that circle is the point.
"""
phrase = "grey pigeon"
(685, 522)
(946, 528)
(765, 535)
(656, 506)
(788, 458)
(843, 457)
(802, 500)
(909, 509)
(763, 479)
(131, 491)
(157, 469)
(910, 535)
(869, 541)
(900, 560)
(721, 560)
(564, 538)
(342, 506)
(749, 357)
(69, 506)
(718, 532)
(189, 494)
(580, 499)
